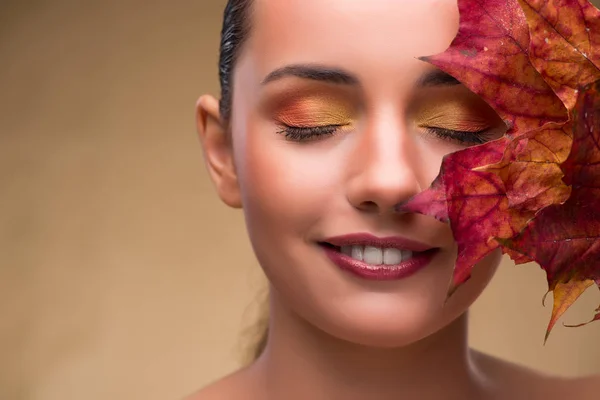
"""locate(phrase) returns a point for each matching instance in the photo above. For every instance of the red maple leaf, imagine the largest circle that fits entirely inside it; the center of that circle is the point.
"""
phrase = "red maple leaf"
(564, 45)
(530, 167)
(565, 239)
(528, 60)
(564, 39)
(490, 56)
(474, 203)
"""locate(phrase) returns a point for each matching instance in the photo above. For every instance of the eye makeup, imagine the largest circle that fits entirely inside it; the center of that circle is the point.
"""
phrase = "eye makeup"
(314, 111)
(313, 116)
(450, 114)
(453, 116)
(458, 116)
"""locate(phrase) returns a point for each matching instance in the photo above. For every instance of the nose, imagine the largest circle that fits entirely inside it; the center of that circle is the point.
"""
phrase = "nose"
(384, 169)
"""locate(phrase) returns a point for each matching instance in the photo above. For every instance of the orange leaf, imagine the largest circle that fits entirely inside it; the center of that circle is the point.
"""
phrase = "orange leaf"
(490, 56)
(564, 45)
(531, 168)
(565, 238)
(536, 191)
(565, 295)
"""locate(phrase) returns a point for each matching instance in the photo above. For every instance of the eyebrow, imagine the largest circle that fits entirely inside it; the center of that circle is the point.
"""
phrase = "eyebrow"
(339, 76)
(313, 72)
(437, 78)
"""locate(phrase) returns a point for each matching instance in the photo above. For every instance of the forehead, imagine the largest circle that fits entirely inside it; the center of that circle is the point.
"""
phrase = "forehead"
(368, 37)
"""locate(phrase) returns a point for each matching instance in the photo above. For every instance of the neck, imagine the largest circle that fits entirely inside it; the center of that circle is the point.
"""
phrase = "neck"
(302, 362)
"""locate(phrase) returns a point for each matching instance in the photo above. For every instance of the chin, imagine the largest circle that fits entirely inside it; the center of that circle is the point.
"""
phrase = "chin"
(374, 314)
(388, 320)
(385, 323)
(381, 337)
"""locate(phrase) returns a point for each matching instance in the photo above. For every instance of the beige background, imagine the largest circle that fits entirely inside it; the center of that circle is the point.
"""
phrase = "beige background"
(121, 275)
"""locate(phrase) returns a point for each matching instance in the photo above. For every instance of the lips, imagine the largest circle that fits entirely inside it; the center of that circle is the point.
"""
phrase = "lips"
(370, 257)
(365, 239)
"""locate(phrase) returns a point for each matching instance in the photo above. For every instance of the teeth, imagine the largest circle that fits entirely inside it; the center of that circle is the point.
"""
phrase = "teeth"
(392, 256)
(357, 253)
(377, 256)
(373, 255)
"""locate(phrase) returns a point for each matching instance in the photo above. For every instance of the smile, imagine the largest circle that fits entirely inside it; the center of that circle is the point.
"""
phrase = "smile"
(377, 255)
(373, 258)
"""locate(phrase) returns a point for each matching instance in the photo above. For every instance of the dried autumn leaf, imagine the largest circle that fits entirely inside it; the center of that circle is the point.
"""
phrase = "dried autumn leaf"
(530, 167)
(523, 192)
(596, 317)
(565, 239)
(565, 294)
(431, 202)
(490, 56)
(564, 45)
(564, 40)
(518, 258)
(477, 208)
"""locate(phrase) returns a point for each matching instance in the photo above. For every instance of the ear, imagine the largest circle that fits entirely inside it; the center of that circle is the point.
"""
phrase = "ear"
(217, 149)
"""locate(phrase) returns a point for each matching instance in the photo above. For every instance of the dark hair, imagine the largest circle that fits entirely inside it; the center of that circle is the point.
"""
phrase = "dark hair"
(235, 31)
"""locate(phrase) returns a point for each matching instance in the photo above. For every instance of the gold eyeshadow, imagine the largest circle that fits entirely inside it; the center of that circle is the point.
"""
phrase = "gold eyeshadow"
(454, 117)
(456, 112)
(314, 111)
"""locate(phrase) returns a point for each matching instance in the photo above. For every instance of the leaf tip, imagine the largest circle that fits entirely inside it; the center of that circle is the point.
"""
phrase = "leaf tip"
(548, 330)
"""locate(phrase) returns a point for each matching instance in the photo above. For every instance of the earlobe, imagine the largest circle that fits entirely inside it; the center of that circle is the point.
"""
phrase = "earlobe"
(217, 149)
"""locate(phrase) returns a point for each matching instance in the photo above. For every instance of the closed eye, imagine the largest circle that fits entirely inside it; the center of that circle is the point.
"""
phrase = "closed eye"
(463, 137)
(306, 133)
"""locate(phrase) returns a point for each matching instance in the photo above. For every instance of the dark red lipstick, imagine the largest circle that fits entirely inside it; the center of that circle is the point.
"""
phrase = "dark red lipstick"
(415, 255)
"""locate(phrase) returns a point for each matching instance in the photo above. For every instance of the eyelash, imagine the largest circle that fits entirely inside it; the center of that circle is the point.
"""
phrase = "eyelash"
(306, 133)
(303, 134)
(460, 137)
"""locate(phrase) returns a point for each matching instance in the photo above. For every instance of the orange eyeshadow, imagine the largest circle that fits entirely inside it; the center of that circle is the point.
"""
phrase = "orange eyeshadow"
(455, 116)
(314, 112)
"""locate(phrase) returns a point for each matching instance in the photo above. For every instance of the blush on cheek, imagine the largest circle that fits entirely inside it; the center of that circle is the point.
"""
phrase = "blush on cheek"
(283, 182)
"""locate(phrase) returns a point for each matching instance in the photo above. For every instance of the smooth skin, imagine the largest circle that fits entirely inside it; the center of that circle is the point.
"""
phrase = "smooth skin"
(333, 335)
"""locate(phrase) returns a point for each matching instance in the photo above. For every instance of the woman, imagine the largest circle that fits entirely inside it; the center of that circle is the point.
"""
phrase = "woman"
(327, 121)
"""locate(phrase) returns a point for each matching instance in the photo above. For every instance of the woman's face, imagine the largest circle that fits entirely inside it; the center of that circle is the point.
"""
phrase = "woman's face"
(335, 121)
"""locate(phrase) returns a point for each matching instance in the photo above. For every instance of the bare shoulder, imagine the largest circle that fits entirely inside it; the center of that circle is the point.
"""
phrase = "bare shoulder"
(580, 388)
(584, 388)
(520, 382)
(238, 385)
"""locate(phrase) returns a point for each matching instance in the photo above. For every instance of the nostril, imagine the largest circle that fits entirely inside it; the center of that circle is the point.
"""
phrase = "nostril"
(368, 206)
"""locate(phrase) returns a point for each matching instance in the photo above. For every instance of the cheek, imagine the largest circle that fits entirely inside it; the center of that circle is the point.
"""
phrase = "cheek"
(285, 187)
(431, 152)
(287, 190)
